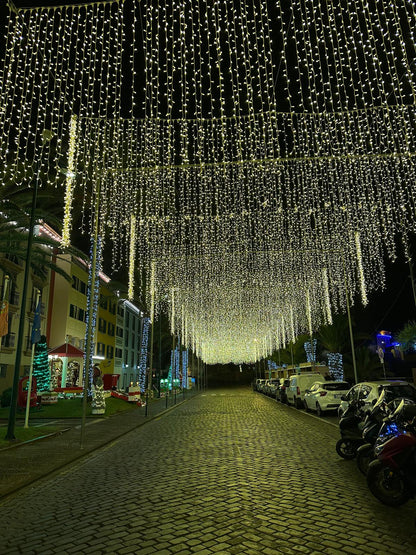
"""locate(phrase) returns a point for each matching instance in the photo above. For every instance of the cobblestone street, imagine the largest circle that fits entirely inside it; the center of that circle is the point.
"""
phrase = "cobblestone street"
(228, 471)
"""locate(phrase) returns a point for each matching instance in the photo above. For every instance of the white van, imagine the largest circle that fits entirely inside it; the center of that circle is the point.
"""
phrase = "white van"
(299, 383)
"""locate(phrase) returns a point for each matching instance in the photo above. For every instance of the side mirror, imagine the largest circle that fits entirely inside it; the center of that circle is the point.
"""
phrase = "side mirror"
(307, 390)
(373, 402)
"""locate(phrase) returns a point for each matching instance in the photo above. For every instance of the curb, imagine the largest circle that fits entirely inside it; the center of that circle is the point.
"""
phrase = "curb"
(46, 436)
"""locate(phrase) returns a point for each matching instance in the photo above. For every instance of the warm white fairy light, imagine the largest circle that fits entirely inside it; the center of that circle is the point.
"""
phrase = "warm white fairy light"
(245, 186)
(363, 290)
(69, 183)
(326, 296)
(132, 256)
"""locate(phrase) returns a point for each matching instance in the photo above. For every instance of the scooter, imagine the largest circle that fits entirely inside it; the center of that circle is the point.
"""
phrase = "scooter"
(351, 428)
(371, 427)
(391, 477)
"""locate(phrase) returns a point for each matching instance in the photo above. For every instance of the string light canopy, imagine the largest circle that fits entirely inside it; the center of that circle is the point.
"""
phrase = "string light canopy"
(255, 160)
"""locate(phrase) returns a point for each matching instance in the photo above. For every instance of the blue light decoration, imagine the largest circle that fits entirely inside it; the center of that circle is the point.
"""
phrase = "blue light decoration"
(143, 354)
(88, 364)
(335, 366)
(185, 369)
(174, 371)
(271, 365)
(310, 350)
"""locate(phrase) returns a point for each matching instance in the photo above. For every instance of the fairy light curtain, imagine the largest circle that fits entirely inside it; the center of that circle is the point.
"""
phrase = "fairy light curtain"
(260, 159)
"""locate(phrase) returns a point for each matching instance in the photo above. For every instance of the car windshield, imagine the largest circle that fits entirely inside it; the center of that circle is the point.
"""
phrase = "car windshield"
(394, 391)
(339, 386)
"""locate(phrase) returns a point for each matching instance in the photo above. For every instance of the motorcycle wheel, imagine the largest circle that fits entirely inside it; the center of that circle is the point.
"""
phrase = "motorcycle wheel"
(346, 449)
(386, 485)
(365, 455)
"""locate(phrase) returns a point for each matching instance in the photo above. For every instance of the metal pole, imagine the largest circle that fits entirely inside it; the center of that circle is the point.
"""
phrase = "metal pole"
(88, 347)
(152, 318)
(29, 388)
(412, 280)
(13, 402)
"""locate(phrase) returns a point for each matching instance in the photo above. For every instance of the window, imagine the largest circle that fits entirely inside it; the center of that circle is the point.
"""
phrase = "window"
(100, 349)
(77, 313)
(103, 302)
(112, 307)
(119, 331)
(3, 370)
(79, 285)
(110, 329)
(110, 351)
(102, 325)
(119, 352)
(120, 310)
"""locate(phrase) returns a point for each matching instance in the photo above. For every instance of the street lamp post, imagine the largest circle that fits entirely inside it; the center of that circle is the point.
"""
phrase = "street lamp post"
(13, 403)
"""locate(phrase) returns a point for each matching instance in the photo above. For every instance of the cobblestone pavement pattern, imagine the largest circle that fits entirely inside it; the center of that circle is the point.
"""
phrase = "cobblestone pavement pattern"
(228, 472)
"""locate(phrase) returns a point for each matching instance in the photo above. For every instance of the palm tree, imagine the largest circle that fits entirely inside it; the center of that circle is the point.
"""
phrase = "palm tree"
(15, 209)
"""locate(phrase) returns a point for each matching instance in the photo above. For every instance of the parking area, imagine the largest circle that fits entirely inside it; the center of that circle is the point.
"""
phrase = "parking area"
(229, 471)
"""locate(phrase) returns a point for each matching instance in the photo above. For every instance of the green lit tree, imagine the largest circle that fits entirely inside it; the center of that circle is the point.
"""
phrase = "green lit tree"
(41, 366)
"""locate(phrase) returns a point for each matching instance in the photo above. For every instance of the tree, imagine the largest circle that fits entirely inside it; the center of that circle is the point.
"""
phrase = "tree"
(407, 337)
(41, 366)
(15, 208)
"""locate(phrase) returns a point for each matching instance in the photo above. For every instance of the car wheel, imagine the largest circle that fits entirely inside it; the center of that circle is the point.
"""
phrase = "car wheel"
(319, 411)
(305, 406)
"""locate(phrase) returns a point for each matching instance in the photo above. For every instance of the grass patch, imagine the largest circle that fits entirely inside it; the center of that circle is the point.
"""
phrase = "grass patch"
(72, 408)
(26, 434)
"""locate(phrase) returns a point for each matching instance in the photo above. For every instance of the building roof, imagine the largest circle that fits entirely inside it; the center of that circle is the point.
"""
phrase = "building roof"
(66, 350)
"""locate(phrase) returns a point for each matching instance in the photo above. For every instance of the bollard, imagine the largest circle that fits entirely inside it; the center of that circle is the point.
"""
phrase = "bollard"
(147, 403)
(166, 396)
(175, 396)
(183, 391)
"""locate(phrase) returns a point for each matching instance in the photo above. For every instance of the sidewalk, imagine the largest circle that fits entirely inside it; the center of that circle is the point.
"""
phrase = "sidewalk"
(25, 463)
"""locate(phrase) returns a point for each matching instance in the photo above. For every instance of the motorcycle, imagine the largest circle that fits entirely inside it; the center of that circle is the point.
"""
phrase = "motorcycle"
(371, 427)
(391, 477)
(351, 428)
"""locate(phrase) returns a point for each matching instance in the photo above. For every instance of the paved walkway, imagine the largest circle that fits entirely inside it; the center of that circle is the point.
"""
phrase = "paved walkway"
(227, 472)
(26, 463)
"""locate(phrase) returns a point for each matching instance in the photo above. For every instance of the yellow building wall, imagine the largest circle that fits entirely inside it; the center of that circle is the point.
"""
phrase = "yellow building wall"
(107, 309)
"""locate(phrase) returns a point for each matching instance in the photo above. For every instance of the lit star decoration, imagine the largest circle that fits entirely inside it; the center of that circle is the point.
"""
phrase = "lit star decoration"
(266, 151)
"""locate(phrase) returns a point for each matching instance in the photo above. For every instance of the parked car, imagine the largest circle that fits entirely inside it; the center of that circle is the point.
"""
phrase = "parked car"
(299, 383)
(281, 394)
(370, 391)
(325, 395)
(259, 384)
(270, 387)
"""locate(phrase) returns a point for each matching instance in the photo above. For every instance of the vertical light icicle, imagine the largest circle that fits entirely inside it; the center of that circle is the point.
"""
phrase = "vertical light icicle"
(292, 325)
(308, 312)
(363, 289)
(69, 183)
(132, 256)
(152, 291)
(326, 296)
(172, 321)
